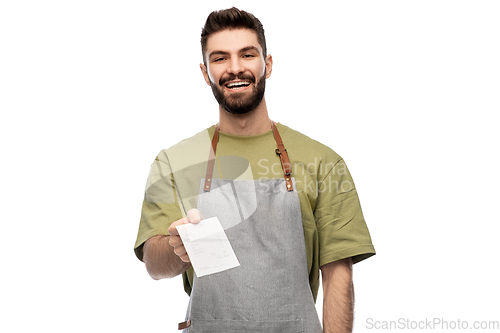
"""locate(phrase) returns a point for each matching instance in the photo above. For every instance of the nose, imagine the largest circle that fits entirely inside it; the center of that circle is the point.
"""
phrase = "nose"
(236, 66)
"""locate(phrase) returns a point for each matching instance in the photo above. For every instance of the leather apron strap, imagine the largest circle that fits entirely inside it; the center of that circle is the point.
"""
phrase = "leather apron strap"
(211, 160)
(285, 161)
(281, 151)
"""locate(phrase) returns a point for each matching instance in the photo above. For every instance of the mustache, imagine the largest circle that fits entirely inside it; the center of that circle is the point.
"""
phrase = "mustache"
(231, 77)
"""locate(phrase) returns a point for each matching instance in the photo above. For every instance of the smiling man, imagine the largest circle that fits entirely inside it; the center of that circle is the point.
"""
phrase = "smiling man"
(226, 68)
(236, 67)
(287, 212)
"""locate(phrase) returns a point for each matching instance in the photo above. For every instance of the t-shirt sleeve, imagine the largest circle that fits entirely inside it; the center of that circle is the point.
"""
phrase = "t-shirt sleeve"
(160, 206)
(341, 226)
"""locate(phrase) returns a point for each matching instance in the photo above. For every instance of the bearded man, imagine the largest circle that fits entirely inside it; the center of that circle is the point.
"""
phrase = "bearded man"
(287, 212)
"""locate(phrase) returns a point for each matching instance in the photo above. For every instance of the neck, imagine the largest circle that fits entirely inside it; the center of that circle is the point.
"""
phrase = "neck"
(252, 123)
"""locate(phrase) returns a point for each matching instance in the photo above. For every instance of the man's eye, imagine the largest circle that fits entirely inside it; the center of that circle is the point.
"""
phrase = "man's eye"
(248, 56)
(218, 59)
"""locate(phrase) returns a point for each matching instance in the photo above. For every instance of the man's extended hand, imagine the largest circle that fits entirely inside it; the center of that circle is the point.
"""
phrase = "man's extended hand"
(193, 216)
(165, 256)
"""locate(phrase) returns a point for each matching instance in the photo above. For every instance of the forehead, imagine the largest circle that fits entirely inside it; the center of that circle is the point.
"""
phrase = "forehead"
(232, 40)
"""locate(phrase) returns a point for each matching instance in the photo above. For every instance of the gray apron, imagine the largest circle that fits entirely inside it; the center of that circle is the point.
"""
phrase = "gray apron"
(269, 291)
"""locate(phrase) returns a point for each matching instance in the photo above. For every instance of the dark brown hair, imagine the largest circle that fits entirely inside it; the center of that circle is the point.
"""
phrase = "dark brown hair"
(232, 18)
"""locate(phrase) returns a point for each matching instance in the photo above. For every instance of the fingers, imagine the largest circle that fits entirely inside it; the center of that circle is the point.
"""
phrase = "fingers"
(194, 216)
(185, 258)
(172, 230)
(175, 241)
(181, 252)
(179, 249)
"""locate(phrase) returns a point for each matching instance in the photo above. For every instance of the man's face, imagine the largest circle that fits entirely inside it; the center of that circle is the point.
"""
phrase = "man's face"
(236, 69)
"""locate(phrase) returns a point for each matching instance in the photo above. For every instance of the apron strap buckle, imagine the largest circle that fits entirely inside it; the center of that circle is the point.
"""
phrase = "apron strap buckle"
(184, 324)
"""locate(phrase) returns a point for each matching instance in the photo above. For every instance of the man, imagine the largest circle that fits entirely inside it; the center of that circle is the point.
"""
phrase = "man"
(287, 212)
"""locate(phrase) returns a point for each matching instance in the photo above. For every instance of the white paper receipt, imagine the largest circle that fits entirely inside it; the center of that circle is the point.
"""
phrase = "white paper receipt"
(207, 246)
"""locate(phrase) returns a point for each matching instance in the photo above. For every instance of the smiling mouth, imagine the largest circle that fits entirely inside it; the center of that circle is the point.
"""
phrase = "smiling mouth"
(237, 85)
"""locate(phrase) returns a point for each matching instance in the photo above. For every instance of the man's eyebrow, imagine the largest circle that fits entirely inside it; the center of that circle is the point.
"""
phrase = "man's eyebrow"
(249, 48)
(245, 49)
(217, 52)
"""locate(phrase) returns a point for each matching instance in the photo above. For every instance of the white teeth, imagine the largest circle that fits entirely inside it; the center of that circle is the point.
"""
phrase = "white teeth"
(237, 84)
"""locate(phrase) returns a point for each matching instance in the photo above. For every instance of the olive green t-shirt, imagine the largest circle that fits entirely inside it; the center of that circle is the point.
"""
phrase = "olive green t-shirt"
(334, 227)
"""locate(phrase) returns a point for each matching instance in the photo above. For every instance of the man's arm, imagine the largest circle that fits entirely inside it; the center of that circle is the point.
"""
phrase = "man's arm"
(338, 296)
(161, 260)
(166, 256)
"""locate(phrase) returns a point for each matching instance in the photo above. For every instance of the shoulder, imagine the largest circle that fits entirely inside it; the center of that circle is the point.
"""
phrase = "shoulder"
(306, 148)
(189, 149)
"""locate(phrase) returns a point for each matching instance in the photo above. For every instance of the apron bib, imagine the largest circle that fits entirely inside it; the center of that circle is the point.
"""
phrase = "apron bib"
(269, 292)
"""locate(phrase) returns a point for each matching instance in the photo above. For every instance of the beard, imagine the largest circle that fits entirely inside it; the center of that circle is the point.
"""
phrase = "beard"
(237, 104)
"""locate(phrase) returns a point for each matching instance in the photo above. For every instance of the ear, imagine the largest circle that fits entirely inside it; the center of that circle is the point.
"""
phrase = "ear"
(205, 73)
(269, 65)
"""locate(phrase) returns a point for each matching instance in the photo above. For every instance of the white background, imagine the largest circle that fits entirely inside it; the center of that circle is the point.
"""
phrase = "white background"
(91, 91)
